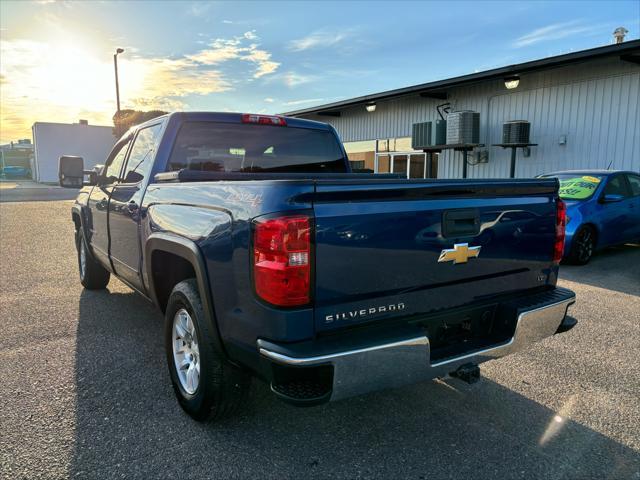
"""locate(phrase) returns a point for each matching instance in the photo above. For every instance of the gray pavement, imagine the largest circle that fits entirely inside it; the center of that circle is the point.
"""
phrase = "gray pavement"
(27, 190)
(85, 391)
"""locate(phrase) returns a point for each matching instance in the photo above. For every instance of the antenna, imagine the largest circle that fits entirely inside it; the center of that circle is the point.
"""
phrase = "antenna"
(609, 167)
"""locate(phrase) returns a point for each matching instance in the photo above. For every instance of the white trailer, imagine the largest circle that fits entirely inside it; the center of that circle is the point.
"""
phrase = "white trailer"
(52, 140)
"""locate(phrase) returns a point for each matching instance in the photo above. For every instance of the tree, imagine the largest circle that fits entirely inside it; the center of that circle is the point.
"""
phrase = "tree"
(123, 120)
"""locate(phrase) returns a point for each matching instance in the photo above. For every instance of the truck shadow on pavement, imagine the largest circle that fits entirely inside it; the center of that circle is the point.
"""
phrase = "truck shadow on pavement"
(615, 268)
(129, 424)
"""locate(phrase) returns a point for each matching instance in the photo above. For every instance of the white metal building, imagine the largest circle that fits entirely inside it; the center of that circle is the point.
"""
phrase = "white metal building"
(52, 140)
(584, 110)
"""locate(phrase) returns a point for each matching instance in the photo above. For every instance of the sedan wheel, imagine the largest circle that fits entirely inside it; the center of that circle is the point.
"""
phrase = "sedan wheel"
(584, 243)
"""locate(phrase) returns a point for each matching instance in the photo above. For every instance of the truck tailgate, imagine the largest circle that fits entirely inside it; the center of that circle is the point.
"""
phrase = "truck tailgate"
(378, 245)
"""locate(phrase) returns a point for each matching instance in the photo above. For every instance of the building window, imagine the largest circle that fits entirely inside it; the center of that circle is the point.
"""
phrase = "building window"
(392, 155)
(358, 165)
(401, 144)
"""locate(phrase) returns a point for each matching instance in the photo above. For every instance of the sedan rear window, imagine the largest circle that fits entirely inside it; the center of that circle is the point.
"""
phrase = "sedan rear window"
(230, 147)
(578, 187)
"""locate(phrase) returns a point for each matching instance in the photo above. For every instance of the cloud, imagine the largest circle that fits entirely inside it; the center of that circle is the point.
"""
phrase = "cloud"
(223, 50)
(554, 31)
(251, 35)
(198, 9)
(47, 81)
(319, 39)
(269, 100)
(301, 102)
(293, 79)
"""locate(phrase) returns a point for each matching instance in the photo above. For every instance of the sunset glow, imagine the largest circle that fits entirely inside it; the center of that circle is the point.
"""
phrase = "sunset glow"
(56, 57)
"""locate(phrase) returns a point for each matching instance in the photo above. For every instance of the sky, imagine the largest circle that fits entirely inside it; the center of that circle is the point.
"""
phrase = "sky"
(56, 57)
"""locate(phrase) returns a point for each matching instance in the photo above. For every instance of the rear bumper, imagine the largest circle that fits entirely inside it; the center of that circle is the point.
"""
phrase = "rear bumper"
(405, 358)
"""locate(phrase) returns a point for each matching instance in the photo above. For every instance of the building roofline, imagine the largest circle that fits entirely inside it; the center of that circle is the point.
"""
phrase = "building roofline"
(70, 124)
(631, 48)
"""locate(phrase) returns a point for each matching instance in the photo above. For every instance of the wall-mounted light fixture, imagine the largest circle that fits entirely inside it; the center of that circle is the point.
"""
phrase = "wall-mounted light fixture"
(371, 107)
(511, 82)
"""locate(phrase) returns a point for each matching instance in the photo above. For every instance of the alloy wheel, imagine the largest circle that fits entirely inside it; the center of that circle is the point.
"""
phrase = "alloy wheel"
(585, 245)
(186, 354)
(83, 259)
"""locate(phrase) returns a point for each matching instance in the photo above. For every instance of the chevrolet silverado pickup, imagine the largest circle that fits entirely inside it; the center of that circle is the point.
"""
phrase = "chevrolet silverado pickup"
(269, 258)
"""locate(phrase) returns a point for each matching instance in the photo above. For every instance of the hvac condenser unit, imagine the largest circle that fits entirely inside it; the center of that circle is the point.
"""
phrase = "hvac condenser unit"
(421, 136)
(440, 132)
(516, 132)
(463, 127)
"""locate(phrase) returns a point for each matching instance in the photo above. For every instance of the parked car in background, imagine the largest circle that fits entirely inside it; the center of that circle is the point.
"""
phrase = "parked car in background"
(603, 210)
(15, 172)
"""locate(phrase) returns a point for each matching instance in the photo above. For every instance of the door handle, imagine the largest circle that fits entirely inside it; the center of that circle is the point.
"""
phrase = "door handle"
(458, 223)
(132, 206)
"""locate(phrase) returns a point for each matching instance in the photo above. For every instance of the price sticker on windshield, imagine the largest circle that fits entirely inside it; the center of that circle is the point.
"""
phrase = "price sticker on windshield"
(578, 188)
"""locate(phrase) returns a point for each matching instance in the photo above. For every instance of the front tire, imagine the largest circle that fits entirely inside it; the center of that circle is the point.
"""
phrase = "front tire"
(93, 276)
(582, 246)
(206, 385)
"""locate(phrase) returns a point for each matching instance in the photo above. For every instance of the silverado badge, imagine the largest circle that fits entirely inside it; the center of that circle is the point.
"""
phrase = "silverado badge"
(460, 253)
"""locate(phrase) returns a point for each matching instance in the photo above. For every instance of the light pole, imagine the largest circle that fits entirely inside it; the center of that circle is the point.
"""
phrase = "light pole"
(115, 66)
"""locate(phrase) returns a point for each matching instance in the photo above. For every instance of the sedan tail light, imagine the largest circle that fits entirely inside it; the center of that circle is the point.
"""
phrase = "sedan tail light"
(282, 260)
(561, 222)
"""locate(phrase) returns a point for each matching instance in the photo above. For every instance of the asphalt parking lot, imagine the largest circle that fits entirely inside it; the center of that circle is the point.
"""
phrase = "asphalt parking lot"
(85, 391)
(27, 190)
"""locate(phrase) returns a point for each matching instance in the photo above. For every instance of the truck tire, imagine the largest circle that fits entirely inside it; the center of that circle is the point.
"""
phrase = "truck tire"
(207, 386)
(93, 276)
(582, 246)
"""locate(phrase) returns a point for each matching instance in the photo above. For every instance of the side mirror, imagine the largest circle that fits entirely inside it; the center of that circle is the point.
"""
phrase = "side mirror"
(94, 174)
(612, 198)
(71, 172)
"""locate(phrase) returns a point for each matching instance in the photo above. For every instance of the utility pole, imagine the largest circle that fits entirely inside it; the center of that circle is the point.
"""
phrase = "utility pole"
(115, 67)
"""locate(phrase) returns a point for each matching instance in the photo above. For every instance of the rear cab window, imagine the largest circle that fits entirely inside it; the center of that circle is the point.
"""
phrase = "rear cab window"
(230, 147)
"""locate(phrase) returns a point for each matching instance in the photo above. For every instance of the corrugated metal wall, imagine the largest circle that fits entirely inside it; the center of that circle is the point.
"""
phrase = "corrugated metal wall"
(596, 105)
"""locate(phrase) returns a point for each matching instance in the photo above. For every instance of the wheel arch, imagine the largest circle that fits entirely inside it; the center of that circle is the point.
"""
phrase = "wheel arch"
(185, 258)
(80, 221)
(75, 216)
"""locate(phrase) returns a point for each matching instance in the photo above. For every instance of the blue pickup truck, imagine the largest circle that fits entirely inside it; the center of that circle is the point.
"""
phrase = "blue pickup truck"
(270, 259)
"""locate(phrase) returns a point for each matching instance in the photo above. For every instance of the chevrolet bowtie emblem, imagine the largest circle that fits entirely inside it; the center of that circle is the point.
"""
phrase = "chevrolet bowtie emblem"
(460, 253)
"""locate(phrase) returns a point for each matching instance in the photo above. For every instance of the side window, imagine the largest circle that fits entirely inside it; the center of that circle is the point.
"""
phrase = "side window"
(142, 154)
(616, 186)
(117, 159)
(634, 182)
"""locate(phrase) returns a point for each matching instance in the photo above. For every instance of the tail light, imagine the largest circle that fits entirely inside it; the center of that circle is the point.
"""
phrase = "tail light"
(282, 260)
(561, 222)
(264, 119)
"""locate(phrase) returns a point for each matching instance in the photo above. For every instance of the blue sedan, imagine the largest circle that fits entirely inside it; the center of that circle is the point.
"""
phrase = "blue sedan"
(603, 209)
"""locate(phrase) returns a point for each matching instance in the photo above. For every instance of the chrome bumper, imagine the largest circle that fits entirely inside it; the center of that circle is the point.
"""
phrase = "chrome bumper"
(407, 360)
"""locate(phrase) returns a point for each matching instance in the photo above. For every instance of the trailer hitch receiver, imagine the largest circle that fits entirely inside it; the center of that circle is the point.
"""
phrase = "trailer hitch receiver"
(469, 373)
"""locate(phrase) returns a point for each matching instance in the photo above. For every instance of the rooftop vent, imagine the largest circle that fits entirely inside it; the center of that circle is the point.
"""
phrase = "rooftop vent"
(619, 34)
